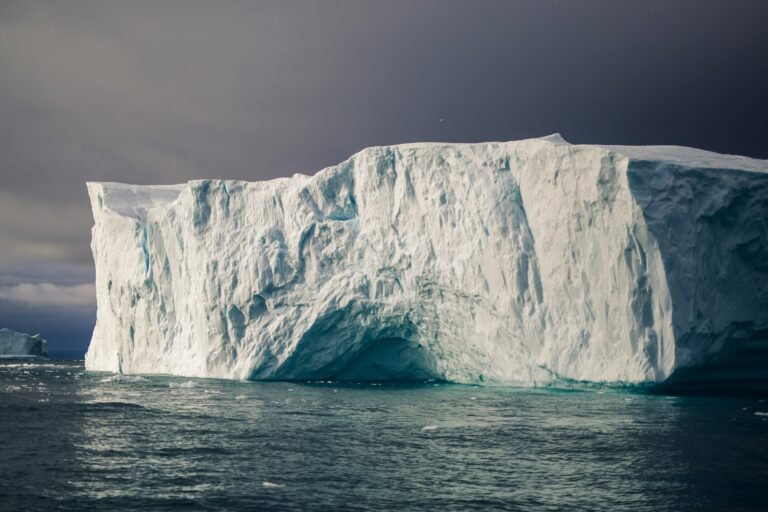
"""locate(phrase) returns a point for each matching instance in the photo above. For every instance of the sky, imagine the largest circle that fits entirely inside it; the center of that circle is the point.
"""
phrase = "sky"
(166, 91)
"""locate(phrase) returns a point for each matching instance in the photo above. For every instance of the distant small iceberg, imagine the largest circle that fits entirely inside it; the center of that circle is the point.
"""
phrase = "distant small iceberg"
(19, 345)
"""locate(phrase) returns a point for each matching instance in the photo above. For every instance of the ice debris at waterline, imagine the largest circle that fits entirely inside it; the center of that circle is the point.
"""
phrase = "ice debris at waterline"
(515, 262)
(18, 344)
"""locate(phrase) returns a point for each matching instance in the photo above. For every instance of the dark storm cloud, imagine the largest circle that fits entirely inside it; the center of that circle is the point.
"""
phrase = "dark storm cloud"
(166, 91)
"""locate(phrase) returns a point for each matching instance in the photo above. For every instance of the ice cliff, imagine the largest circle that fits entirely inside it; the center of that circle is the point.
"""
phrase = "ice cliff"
(19, 344)
(515, 262)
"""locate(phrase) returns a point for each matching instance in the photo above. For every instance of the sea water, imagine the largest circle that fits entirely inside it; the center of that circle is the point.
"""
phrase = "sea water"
(73, 440)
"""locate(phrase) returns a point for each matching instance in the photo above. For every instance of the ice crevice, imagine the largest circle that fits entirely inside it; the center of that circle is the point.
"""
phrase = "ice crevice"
(509, 262)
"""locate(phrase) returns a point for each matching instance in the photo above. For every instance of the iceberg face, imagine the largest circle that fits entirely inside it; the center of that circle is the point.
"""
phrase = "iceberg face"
(517, 262)
(19, 344)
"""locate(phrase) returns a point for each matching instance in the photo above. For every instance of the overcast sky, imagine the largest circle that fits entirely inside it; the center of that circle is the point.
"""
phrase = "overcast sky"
(167, 91)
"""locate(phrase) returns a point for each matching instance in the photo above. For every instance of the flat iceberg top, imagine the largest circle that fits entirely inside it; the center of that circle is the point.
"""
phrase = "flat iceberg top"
(691, 157)
(134, 200)
(678, 155)
(5, 332)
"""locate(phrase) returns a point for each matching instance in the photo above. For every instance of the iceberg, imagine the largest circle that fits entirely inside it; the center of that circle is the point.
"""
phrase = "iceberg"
(18, 344)
(515, 262)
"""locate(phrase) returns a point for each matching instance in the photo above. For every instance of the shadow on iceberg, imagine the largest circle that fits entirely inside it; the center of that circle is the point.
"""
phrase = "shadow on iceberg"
(390, 359)
(386, 359)
(710, 227)
(741, 368)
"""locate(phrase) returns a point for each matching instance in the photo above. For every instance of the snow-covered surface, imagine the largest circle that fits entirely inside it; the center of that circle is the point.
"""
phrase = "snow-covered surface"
(516, 262)
(19, 344)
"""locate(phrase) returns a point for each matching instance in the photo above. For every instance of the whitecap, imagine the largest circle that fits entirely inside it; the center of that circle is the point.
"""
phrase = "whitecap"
(188, 384)
(123, 378)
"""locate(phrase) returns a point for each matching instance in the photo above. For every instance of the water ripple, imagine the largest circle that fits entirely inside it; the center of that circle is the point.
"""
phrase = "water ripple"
(74, 440)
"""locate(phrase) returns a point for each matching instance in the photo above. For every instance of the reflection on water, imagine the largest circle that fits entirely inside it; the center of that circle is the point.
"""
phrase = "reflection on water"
(75, 440)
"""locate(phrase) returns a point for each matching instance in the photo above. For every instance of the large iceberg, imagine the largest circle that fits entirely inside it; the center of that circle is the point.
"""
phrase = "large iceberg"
(18, 344)
(515, 262)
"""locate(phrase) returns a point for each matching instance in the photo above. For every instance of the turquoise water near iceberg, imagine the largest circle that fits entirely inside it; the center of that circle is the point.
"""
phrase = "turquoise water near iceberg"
(73, 440)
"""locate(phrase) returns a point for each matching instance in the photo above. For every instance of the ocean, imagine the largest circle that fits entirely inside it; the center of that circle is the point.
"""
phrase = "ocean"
(75, 440)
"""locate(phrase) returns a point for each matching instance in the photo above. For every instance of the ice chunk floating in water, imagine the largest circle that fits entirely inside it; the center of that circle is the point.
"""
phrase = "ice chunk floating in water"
(514, 262)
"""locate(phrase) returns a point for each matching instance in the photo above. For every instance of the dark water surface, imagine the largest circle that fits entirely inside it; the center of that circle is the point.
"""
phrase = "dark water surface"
(73, 440)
